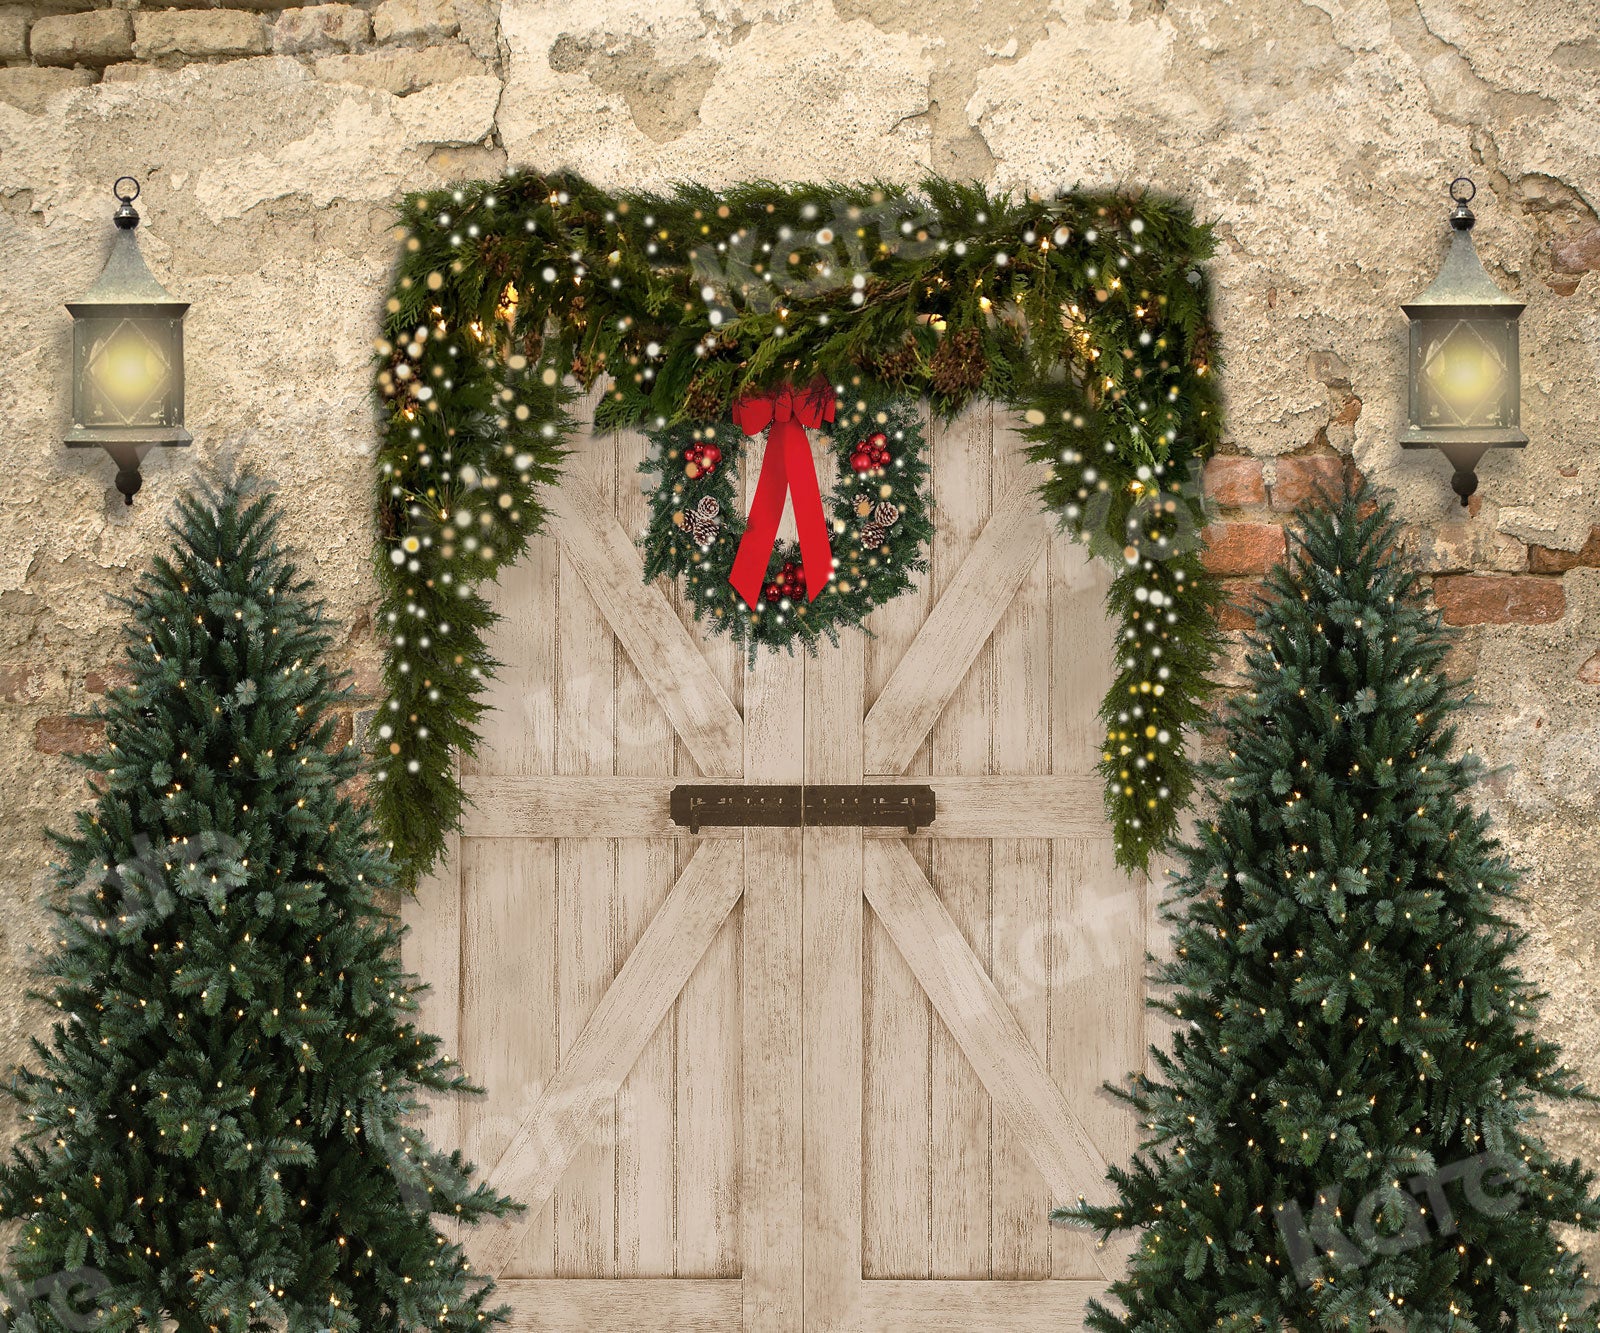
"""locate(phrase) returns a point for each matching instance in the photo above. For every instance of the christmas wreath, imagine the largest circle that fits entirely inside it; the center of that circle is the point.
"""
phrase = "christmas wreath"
(1086, 314)
(852, 555)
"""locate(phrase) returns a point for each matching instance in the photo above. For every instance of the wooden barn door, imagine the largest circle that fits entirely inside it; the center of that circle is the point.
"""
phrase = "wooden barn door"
(780, 1078)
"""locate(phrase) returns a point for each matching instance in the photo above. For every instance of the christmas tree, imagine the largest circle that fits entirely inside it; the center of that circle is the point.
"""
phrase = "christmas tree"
(219, 1127)
(1342, 1136)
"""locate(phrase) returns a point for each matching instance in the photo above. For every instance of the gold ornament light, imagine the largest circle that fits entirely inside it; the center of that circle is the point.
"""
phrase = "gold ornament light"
(1466, 378)
(127, 356)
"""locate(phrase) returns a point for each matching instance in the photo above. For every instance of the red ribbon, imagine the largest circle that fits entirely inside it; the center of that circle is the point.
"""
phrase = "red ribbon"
(784, 414)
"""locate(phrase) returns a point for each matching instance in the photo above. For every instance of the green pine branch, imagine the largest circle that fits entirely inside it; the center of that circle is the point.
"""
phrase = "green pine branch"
(1344, 1133)
(220, 1125)
(1085, 313)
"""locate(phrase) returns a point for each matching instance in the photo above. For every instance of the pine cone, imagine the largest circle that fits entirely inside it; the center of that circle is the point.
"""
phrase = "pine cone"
(495, 255)
(872, 536)
(705, 522)
(885, 515)
(863, 504)
(703, 401)
(896, 365)
(958, 367)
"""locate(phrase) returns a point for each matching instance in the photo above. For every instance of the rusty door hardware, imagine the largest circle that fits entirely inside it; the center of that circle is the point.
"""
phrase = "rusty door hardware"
(794, 806)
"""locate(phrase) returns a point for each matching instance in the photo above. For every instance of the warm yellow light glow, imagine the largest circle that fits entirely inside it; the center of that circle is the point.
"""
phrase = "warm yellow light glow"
(129, 370)
(1467, 376)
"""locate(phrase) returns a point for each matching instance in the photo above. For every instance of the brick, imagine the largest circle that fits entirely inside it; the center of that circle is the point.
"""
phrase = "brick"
(19, 684)
(1243, 548)
(98, 38)
(1233, 481)
(1577, 253)
(1547, 560)
(198, 34)
(13, 35)
(401, 72)
(107, 678)
(1241, 600)
(33, 89)
(67, 735)
(1589, 672)
(1349, 412)
(320, 28)
(414, 21)
(1499, 599)
(1300, 478)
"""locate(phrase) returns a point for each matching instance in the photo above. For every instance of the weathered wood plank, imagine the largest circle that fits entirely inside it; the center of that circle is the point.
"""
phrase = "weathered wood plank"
(959, 625)
(709, 1028)
(969, 806)
(624, 1305)
(586, 1196)
(960, 1307)
(1096, 941)
(961, 707)
(1020, 896)
(831, 989)
(647, 1103)
(508, 997)
(431, 952)
(772, 1203)
(897, 1118)
(1097, 1027)
(557, 1116)
(646, 625)
(518, 733)
(976, 1015)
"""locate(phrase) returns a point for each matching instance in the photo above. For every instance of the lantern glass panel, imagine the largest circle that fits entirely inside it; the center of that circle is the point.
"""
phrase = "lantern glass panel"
(125, 371)
(1464, 373)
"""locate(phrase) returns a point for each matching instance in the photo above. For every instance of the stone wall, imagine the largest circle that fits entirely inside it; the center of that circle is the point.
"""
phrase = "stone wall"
(275, 142)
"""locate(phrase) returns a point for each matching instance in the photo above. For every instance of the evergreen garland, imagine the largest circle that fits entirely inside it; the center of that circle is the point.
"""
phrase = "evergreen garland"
(218, 1130)
(1085, 313)
(1343, 1135)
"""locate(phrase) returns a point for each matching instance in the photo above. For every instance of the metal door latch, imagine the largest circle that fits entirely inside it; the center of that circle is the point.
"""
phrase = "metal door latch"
(793, 806)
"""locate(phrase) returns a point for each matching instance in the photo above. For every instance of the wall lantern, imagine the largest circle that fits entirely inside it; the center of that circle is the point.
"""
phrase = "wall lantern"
(1466, 380)
(127, 356)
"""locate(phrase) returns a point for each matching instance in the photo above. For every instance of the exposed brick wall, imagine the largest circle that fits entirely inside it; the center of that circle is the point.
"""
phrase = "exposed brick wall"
(1499, 599)
(65, 734)
(1244, 548)
(1479, 577)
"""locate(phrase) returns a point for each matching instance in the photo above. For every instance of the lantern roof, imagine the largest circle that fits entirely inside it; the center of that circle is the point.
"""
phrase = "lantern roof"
(126, 279)
(1463, 284)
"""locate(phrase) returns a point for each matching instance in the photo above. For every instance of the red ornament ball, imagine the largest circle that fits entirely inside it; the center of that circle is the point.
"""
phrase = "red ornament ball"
(701, 459)
(872, 452)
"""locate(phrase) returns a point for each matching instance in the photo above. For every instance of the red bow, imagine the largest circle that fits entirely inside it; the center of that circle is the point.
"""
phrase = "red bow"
(784, 413)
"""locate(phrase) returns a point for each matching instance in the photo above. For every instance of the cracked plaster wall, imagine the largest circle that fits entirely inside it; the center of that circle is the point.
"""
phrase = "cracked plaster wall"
(1317, 134)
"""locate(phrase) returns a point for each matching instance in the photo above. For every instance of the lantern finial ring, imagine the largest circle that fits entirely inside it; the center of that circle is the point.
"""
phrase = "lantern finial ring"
(127, 216)
(1463, 198)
